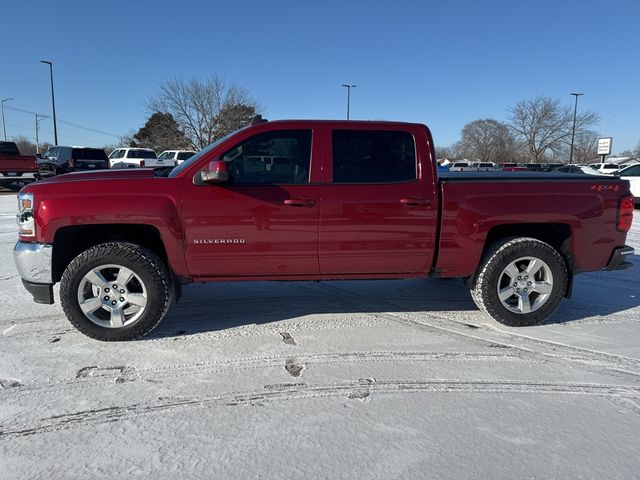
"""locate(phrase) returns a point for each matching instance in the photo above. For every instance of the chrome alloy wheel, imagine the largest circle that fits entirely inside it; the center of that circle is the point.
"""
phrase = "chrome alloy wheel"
(525, 285)
(112, 296)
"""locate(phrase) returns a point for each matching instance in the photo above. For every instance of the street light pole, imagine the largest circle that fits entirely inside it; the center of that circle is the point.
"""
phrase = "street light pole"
(349, 87)
(53, 102)
(4, 128)
(573, 133)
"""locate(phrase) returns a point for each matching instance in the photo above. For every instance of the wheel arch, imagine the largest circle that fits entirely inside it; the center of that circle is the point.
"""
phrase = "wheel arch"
(557, 235)
(71, 241)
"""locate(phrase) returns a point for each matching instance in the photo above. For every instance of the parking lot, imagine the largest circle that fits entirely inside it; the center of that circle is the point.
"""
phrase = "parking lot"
(363, 379)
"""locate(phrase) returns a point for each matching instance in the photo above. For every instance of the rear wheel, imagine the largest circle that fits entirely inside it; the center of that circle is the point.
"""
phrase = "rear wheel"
(520, 282)
(115, 291)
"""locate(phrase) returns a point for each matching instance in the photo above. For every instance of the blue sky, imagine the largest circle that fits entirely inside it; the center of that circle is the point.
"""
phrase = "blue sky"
(441, 63)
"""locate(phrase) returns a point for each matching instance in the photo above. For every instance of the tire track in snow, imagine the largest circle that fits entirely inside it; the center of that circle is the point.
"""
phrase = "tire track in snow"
(489, 335)
(363, 388)
(94, 376)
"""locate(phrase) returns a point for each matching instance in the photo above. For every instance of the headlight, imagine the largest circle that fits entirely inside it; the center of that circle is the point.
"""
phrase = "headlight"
(24, 219)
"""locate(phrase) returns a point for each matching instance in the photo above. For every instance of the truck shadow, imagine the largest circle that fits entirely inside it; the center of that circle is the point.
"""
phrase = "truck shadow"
(230, 305)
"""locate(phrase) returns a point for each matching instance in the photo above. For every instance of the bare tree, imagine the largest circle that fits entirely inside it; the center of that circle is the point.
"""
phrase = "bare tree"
(202, 108)
(488, 140)
(585, 146)
(544, 125)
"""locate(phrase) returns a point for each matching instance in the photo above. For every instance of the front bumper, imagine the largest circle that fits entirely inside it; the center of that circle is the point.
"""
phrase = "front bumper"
(618, 260)
(34, 264)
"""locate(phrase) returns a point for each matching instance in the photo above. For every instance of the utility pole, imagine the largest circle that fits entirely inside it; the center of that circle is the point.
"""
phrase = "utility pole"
(349, 87)
(37, 131)
(573, 133)
(4, 128)
(53, 102)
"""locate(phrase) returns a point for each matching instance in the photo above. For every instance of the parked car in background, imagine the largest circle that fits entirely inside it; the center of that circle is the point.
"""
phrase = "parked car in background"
(460, 167)
(606, 168)
(178, 156)
(60, 159)
(131, 157)
(584, 169)
(483, 166)
(533, 167)
(632, 173)
(12, 163)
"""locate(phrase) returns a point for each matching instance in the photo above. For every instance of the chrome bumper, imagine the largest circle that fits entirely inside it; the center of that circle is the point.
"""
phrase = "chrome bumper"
(33, 261)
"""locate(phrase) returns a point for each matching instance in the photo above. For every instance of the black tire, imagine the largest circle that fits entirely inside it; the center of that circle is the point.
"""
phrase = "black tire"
(492, 275)
(151, 278)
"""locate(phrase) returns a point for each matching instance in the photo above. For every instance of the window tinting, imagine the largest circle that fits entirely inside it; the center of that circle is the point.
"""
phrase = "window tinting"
(9, 148)
(141, 154)
(185, 155)
(89, 154)
(373, 156)
(632, 172)
(280, 157)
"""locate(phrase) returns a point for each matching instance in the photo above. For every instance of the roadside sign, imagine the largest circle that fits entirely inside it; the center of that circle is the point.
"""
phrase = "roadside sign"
(604, 146)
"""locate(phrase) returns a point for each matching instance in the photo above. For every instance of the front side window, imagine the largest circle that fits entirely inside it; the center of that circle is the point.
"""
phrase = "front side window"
(165, 155)
(279, 157)
(631, 172)
(373, 156)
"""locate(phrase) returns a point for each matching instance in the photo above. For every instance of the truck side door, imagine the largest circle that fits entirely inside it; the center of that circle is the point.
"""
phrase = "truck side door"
(379, 209)
(264, 221)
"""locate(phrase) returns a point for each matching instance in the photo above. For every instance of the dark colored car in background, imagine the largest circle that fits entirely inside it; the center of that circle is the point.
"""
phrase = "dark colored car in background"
(12, 163)
(60, 159)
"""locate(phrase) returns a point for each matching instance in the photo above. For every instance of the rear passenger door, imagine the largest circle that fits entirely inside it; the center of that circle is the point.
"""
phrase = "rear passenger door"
(378, 212)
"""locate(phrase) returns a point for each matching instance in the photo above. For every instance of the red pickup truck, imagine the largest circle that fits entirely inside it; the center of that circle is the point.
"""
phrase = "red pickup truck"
(313, 200)
(12, 164)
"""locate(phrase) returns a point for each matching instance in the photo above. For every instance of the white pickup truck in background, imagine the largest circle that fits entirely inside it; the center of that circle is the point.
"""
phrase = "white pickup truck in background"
(134, 157)
(178, 156)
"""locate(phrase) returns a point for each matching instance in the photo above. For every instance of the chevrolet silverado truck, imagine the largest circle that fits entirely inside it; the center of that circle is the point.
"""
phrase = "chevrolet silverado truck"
(313, 200)
(13, 164)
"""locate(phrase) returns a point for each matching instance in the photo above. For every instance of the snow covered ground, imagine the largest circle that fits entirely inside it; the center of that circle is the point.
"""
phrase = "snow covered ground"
(377, 380)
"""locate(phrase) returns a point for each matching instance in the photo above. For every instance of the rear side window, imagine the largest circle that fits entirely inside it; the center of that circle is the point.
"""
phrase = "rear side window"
(89, 154)
(9, 148)
(361, 156)
(141, 154)
(185, 155)
(278, 157)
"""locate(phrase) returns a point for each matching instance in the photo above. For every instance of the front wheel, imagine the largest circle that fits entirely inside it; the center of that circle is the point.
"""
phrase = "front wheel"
(520, 282)
(115, 291)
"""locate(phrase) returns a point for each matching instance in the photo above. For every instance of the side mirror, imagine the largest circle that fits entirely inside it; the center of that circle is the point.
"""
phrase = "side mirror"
(216, 172)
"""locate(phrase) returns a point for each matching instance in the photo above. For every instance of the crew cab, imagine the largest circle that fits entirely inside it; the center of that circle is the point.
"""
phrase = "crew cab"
(12, 163)
(313, 200)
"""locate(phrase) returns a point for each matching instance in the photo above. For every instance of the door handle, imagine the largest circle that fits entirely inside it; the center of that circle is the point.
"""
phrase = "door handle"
(300, 202)
(415, 202)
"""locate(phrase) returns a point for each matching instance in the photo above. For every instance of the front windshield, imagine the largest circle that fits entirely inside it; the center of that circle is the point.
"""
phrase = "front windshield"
(187, 163)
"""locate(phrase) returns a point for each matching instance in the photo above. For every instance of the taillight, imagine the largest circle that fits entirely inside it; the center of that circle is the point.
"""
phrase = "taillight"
(142, 163)
(625, 213)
